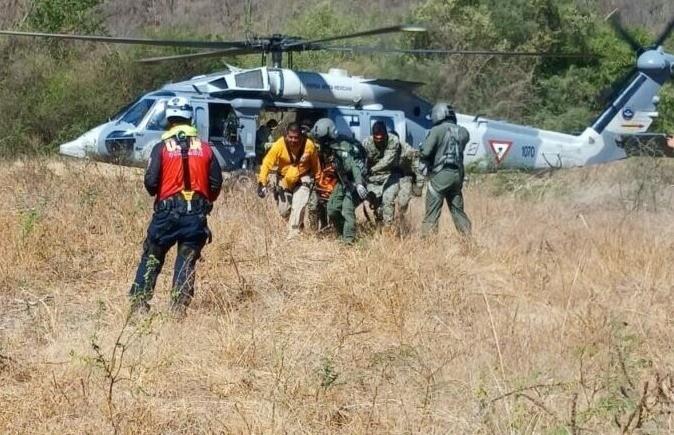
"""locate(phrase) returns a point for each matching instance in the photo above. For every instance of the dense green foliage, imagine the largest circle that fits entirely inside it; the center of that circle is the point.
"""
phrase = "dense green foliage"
(65, 15)
(50, 92)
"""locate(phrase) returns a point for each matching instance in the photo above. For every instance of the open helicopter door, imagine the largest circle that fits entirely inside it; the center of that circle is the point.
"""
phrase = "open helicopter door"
(247, 128)
(347, 122)
(200, 120)
(358, 123)
(393, 119)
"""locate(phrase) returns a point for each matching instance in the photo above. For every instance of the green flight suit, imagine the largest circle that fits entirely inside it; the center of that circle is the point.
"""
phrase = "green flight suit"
(442, 152)
(341, 207)
(384, 174)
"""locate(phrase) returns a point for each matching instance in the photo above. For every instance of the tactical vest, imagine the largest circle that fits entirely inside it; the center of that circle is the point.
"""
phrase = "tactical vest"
(356, 151)
(449, 154)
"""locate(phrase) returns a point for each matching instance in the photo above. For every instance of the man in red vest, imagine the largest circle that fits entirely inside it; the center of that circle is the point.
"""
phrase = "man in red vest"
(185, 178)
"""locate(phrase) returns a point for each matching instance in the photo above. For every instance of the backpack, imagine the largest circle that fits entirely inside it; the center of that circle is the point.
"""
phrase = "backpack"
(449, 153)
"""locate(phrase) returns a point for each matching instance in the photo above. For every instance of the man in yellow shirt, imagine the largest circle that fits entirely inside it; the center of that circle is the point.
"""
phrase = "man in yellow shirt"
(296, 158)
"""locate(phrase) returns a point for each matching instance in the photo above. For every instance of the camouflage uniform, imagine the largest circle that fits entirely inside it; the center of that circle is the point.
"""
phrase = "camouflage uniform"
(443, 154)
(412, 181)
(316, 211)
(383, 175)
(341, 207)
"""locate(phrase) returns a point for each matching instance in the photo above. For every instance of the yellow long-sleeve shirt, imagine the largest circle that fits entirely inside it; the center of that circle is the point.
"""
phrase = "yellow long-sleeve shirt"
(307, 164)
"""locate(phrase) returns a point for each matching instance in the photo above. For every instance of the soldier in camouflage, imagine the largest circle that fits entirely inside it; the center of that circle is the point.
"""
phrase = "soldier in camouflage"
(384, 173)
(442, 159)
(317, 214)
(412, 181)
(339, 156)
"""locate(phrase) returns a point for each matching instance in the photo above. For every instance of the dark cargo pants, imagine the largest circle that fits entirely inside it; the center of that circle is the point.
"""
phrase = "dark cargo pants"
(168, 227)
(342, 212)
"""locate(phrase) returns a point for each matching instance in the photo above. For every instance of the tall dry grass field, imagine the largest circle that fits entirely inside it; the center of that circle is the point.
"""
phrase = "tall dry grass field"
(558, 320)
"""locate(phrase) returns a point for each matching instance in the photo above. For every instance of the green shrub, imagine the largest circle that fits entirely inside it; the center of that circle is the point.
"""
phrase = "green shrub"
(53, 91)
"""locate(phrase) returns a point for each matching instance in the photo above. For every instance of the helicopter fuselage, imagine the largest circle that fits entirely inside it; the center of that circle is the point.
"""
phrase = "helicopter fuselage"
(355, 103)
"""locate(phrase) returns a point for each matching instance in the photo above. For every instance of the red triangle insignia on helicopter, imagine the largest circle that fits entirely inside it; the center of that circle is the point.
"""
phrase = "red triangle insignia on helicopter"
(500, 149)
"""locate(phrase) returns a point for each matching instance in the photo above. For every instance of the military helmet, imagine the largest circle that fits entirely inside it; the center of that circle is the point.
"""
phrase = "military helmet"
(442, 111)
(179, 107)
(324, 128)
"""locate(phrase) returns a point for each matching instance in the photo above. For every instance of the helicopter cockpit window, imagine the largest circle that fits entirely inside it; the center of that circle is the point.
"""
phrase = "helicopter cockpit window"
(158, 118)
(219, 83)
(123, 110)
(138, 111)
(250, 80)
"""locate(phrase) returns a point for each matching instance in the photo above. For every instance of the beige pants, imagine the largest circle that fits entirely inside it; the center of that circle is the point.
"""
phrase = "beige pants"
(291, 205)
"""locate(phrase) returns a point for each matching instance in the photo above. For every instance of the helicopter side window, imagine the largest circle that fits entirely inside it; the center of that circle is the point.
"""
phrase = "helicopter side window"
(390, 126)
(138, 111)
(250, 80)
(353, 122)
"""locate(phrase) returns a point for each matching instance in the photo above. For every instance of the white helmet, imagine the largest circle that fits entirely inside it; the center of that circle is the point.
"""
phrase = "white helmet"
(442, 111)
(324, 128)
(179, 107)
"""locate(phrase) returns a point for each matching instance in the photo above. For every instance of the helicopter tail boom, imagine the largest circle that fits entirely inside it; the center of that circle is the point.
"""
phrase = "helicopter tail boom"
(633, 110)
(634, 105)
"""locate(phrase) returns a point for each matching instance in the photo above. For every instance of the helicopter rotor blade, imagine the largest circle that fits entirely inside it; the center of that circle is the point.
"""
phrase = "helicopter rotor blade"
(133, 41)
(450, 52)
(611, 92)
(614, 20)
(665, 33)
(380, 31)
(204, 54)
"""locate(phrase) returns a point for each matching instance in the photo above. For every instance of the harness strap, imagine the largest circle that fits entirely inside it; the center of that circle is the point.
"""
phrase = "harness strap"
(295, 159)
(184, 154)
(187, 191)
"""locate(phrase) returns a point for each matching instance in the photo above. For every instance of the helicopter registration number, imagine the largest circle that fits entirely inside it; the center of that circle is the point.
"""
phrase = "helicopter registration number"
(528, 152)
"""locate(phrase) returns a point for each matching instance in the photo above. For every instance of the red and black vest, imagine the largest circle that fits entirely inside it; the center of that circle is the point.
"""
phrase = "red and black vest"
(172, 178)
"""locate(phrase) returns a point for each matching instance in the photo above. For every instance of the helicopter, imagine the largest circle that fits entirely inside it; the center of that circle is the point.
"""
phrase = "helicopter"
(229, 105)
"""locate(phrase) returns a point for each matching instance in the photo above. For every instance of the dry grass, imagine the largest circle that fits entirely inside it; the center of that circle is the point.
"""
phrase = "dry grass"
(559, 321)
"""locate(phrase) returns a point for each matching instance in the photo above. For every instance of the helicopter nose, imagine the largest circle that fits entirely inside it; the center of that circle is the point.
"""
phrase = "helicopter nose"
(75, 148)
(83, 145)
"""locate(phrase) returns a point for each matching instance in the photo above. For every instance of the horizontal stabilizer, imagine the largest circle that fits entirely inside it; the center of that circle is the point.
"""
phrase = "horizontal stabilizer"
(395, 84)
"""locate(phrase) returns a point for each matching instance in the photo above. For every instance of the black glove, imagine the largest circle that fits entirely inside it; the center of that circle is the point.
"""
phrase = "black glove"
(261, 190)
